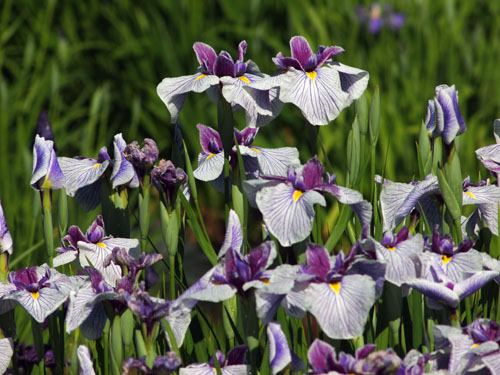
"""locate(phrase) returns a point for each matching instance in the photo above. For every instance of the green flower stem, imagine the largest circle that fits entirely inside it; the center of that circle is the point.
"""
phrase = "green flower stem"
(4, 266)
(454, 318)
(251, 328)
(144, 216)
(62, 209)
(48, 228)
(116, 348)
(225, 126)
(172, 277)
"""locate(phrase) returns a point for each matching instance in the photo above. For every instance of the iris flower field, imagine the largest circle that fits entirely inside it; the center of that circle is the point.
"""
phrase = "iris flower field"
(247, 187)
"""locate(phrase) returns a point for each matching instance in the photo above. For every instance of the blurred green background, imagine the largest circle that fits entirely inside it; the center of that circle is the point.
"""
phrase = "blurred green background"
(94, 67)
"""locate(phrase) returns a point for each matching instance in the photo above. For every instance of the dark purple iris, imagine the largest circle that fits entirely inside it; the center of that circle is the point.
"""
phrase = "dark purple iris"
(120, 255)
(222, 65)
(27, 279)
(483, 330)
(167, 177)
(94, 235)
(162, 365)
(236, 356)
(142, 158)
(390, 240)
(444, 245)
(318, 264)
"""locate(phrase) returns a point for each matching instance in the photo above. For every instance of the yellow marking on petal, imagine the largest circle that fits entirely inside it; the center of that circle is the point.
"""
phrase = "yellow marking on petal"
(445, 259)
(296, 195)
(200, 77)
(244, 79)
(100, 244)
(35, 295)
(97, 165)
(265, 280)
(335, 287)
(218, 283)
(392, 248)
(253, 148)
(311, 75)
(209, 156)
(470, 194)
(474, 345)
(214, 370)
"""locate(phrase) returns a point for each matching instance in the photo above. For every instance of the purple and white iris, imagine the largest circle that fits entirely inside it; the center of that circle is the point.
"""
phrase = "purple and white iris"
(443, 116)
(93, 248)
(264, 160)
(162, 365)
(6, 244)
(233, 364)
(47, 173)
(280, 355)
(287, 201)
(319, 87)
(490, 155)
(221, 70)
(6, 351)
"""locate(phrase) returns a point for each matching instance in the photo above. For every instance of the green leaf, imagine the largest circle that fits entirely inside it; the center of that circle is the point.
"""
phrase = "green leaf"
(374, 121)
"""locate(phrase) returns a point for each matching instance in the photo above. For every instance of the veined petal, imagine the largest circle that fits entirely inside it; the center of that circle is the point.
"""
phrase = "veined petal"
(267, 304)
(352, 80)
(45, 166)
(234, 235)
(89, 197)
(489, 212)
(172, 91)
(94, 255)
(6, 351)
(123, 172)
(207, 136)
(236, 370)
(92, 328)
(275, 161)
(460, 265)
(40, 305)
(197, 369)
(204, 53)
(287, 214)
(489, 156)
(341, 313)
(6, 244)
(85, 361)
(472, 284)
(319, 97)
(276, 105)
(253, 186)
(481, 195)
(210, 166)
(301, 51)
(179, 321)
(436, 291)
(81, 172)
(65, 258)
(492, 362)
(279, 351)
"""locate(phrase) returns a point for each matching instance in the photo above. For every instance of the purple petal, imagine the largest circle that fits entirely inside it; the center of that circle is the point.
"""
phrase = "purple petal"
(312, 172)
(328, 53)
(205, 54)
(288, 213)
(318, 261)
(472, 284)
(209, 139)
(46, 170)
(279, 351)
(224, 66)
(489, 157)
(319, 355)
(242, 50)
(237, 355)
(286, 62)
(123, 171)
(300, 50)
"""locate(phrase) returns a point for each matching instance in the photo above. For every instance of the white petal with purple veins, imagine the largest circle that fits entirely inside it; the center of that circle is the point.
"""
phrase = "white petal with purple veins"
(234, 235)
(275, 161)
(288, 213)
(94, 255)
(85, 361)
(81, 172)
(172, 91)
(318, 94)
(197, 369)
(65, 258)
(39, 304)
(123, 172)
(210, 166)
(341, 308)
(460, 265)
(6, 351)
(352, 80)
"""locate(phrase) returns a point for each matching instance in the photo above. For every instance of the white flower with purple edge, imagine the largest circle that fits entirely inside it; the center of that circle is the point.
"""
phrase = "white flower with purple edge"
(287, 201)
(6, 351)
(232, 76)
(6, 244)
(46, 173)
(233, 364)
(319, 87)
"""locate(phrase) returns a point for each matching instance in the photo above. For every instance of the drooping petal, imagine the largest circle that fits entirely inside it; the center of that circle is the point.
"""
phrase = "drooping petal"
(46, 170)
(123, 171)
(288, 215)
(81, 172)
(94, 255)
(209, 139)
(492, 362)
(39, 304)
(489, 157)
(352, 80)
(92, 328)
(472, 284)
(276, 105)
(210, 166)
(6, 351)
(440, 293)
(179, 321)
(318, 261)
(279, 351)
(173, 91)
(274, 161)
(6, 244)
(85, 361)
(197, 369)
(341, 308)
(253, 186)
(319, 96)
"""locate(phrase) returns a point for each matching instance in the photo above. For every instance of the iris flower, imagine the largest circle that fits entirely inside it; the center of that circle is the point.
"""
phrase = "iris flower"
(340, 301)
(5, 237)
(93, 248)
(287, 201)
(319, 87)
(221, 70)
(280, 355)
(489, 156)
(233, 364)
(265, 160)
(6, 352)
(39, 290)
(85, 361)
(162, 365)
(47, 173)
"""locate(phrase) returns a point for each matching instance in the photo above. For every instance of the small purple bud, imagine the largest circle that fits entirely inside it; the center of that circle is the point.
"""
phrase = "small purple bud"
(164, 365)
(44, 128)
(381, 362)
(141, 158)
(168, 177)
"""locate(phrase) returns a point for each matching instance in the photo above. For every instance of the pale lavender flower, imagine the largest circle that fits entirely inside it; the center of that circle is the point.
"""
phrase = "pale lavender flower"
(221, 70)
(379, 16)
(233, 364)
(489, 156)
(287, 201)
(443, 116)
(46, 173)
(280, 355)
(6, 244)
(319, 87)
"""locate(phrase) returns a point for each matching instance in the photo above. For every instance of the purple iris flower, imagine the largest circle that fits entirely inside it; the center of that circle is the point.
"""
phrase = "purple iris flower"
(39, 290)
(222, 71)
(47, 173)
(401, 252)
(265, 160)
(168, 178)
(322, 360)
(6, 244)
(6, 351)
(457, 262)
(319, 87)
(287, 201)
(234, 364)
(85, 361)
(93, 248)
(414, 363)
(162, 365)
(142, 158)
(489, 156)
(378, 17)
(470, 349)
(280, 355)
(441, 291)
(339, 300)
(443, 116)
(120, 255)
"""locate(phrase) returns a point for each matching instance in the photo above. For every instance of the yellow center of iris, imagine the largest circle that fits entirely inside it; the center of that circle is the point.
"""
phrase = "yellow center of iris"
(244, 79)
(253, 148)
(35, 295)
(209, 156)
(311, 75)
(296, 195)
(265, 280)
(200, 77)
(445, 259)
(392, 248)
(97, 165)
(470, 194)
(100, 244)
(474, 345)
(335, 287)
